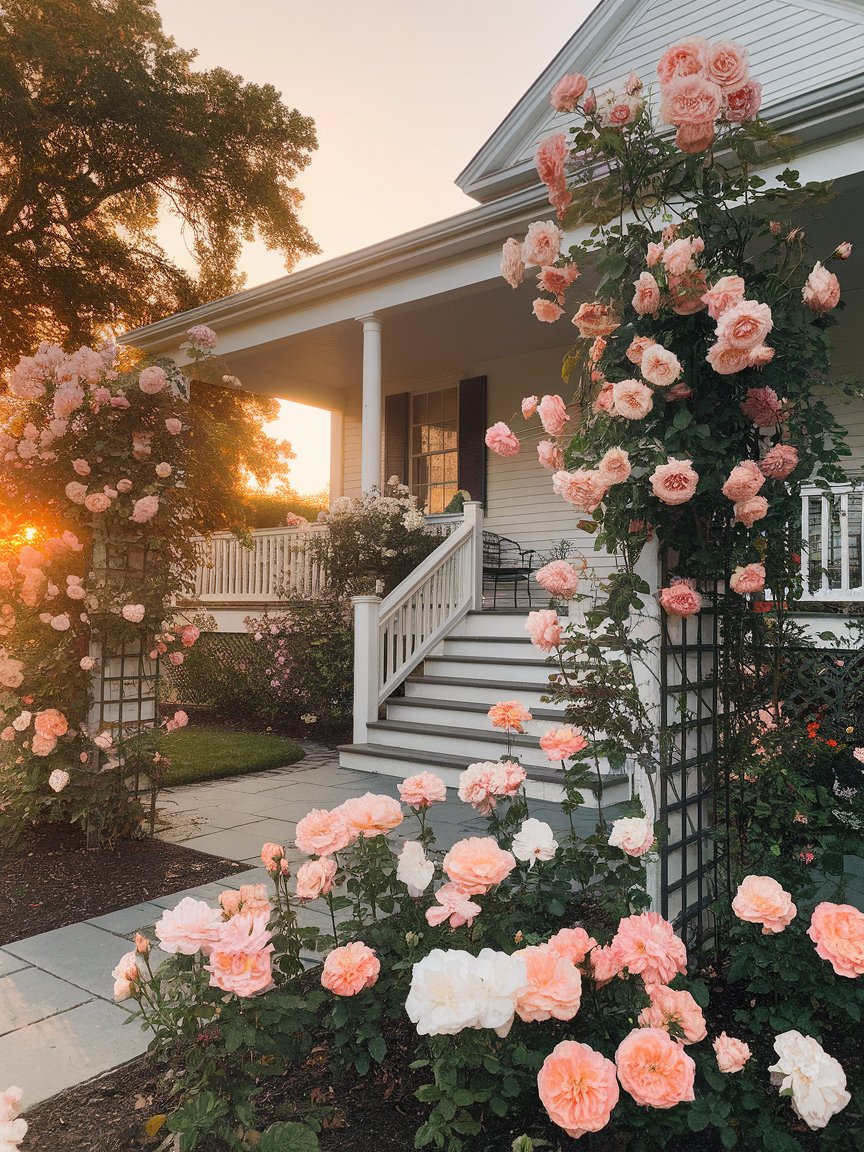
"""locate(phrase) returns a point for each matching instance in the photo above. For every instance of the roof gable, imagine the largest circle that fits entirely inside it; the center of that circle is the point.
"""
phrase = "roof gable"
(796, 47)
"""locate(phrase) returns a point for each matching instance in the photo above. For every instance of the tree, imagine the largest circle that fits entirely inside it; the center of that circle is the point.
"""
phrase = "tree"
(104, 125)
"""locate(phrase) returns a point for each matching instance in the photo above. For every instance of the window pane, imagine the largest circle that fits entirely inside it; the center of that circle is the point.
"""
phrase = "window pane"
(435, 405)
(450, 434)
(418, 404)
(421, 470)
(436, 438)
(416, 440)
(436, 499)
(451, 403)
(436, 468)
(451, 466)
(424, 438)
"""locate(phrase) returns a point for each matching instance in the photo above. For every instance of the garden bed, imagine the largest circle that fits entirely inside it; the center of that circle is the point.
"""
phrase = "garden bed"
(51, 879)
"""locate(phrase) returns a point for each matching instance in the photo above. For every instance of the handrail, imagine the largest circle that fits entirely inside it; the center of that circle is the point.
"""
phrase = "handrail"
(394, 635)
(279, 563)
(832, 542)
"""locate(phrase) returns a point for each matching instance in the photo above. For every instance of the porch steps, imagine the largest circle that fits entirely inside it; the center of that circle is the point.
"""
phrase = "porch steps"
(441, 724)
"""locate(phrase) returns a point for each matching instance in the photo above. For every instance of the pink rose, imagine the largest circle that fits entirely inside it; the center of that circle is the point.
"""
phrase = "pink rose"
(585, 488)
(422, 790)
(542, 243)
(602, 401)
(675, 481)
(562, 743)
(821, 292)
(646, 945)
(744, 325)
(124, 485)
(152, 380)
(680, 598)
(631, 399)
(595, 319)
(550, 456)
(315, 878)
(653, 254)
(144, 509)
(690, 100)
(614, 466)
(173, 426)
(61, 623)
(578, 1088)
(660, 366)
(554, 988)
(454, 906)
(837, 930)
(176, 658)
(763, 407)
(202, 336)
(76, 492)
(189, 633)
(134, 613)
(779, 461)
(43, 745)
(694, 138)
(677, 257)
(655, 1070)
(512, 265)
(727, 291)
(749, 579)
(744, 481)
(371, 815)
(843, 251)
(761, 900)
(726, 64)
(686, 58)
(731, 1054)
(676, 1012)
(553, 414)
(81, 467)
(192, 926)
(636, 349)
(97, 502)
(566, 94)
(529, 407)
(240, 958)
(747, 512)
(559, 578)
(647, 298)
(477, 864)
(726, 360)
(686, 291)
(546, 311)
(163, 470)
(743, 103)
(500, 440)
(8, 733)
(544, 629)
(321, 832)
(759, 356)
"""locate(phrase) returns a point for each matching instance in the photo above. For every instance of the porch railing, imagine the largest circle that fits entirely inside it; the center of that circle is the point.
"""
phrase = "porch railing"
(392, 636)
(280, 565)
(832, 533)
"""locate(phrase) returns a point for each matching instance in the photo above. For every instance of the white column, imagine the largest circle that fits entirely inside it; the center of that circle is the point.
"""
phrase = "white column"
(370, 435)
(367, 674)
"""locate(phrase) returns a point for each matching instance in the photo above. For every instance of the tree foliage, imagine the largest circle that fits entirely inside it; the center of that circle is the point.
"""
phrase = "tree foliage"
(104, 126)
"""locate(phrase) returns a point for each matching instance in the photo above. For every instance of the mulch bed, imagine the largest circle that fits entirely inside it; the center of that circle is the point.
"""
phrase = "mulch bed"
(50, 879)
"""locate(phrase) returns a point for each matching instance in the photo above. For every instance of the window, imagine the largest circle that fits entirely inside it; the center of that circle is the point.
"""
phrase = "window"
(435, 448)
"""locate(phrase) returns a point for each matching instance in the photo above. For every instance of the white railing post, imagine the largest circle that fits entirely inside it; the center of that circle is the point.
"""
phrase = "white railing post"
(473, 515)
(367, 663)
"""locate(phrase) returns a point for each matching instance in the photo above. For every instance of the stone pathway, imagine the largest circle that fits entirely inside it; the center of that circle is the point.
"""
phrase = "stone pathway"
(59, 1025)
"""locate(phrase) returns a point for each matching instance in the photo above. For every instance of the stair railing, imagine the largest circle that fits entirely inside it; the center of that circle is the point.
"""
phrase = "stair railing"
(392, 636)
(832, 542)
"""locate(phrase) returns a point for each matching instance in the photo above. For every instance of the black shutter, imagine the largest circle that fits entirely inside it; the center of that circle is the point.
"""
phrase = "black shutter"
(396, 437)
(472, 432)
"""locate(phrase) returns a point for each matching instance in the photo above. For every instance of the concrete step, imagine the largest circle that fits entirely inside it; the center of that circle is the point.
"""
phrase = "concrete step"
(494, 647)
(542, 784)
(460, 741)
(455, 713)
(478, 692)
(483, 668)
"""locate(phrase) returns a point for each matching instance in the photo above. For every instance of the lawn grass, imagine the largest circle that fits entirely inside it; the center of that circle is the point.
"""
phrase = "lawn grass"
(198, 754)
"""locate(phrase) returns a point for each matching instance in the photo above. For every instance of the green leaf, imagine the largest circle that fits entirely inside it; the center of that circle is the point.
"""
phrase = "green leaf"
(288, 1137)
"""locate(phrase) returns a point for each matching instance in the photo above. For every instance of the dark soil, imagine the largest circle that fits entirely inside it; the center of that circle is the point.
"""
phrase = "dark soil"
(50, 879)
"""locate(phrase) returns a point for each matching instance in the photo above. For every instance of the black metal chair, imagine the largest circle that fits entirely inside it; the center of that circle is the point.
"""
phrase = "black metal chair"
(504, 561)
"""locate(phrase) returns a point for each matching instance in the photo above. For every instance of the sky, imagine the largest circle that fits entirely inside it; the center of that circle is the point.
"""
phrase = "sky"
(403, 94)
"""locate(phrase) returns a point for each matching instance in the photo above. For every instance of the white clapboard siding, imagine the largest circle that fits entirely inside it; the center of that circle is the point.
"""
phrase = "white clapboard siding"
(849, 411)
(351, 457)
(795, 47)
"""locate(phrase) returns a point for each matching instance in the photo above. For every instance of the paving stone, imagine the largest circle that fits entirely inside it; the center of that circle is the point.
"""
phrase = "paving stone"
(243, 843)
(31, 995)
(209, 892)
(127, 921)
(69, 1048)
(10, 963)
(80, 953)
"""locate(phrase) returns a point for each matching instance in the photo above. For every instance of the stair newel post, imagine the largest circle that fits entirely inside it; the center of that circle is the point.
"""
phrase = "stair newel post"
(367, 663)
(473, 515)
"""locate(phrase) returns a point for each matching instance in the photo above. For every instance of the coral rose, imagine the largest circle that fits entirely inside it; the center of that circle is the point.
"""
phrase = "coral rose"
(675, 481)
(528, 406)
(578, 1088)
(595, 319)
(557, 280)
(562, 743)
(453, 906)
(675, 1012)
(500, 440)
(761, 900)
(743, 482)
(726, 64)
(726, 360)
(51, 722)
(550, 456)
(477, 864)
(727, 291)
(686, 58)
(240, 958)
(192, 926)
(553, 415)
(322, 832)
(680, 598)
(547, 311)
(422, 790)
(747, 512)
(549, 160)
(43, 745)
(690, 100)
(749, 579)
(542, 243)
(559, 578)
(634, 835)
(545, 629)
(694, 138)
(567, 92)
(573, 944)
(585, 488)
(554, 989)
(614, 467)
(370, 815)
(821, 292)
(512, 264)
(636, 348)
(646, 301)
(647, 946)
(743, 103)
(350, 969)
(509, 715)
(731, 1054)
(744, 325)
(837, 930)
(632, 399)
(659, 366)
(779, 462)
(655, 1070)
(315, 878)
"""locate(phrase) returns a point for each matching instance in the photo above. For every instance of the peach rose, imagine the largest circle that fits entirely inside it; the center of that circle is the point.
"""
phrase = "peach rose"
(744, 325)
(133, 613)
(726, 360)
(647, 946)
(637, 347)
(567, 92)
(747, 512)
(43, 745)
(743, 103)
(761, 900)
(529, 407)
(743, 482)
(350, 969)
(572, 944)
(559, 578)
(597, 349)
(453, 906)
(632, 399)
(595, 319)
(726, 64)
(550, 456)
(727, 291)
(477, 864)
(315, 878)
(686, 58)
(603, 400)
(837, 930)
(500, 440)
(585, 488)
(542, 243)
(675, 481)
(647, 298)
(553, 414)
(192, 926)
(694, 138)
(578, 1088)
(76, 491)
(604, 965)
(614, 466)
(660, 366)
(370, 815)
(821, 292)
(653, 254)
(677, 258)
(749, 579)
(422, 790)
(690, 100)
(675, 1012)
(512, 265)
(322, 832)
(544, 629)
(51, 722)
(557, 280)
(686, 291)
(549, 160)
(546, 311)
(680, 598)
(509, 715)
(759, 356)
(731, 1054)
(554, 989)
(679, 391)
(562, 743)
(779, 462)
(655, 1070)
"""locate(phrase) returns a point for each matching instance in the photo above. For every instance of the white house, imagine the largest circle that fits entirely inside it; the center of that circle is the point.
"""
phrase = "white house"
(416, 344)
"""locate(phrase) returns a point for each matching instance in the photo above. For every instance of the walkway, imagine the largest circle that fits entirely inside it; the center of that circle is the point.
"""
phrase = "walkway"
(59, 1025)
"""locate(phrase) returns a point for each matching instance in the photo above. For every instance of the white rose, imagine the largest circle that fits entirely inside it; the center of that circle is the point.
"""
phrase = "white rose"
(816, 1080)
(504, 978)
(632, 834)
(58, 780)
(413, 869)
(22, 723)
(447, 993)
(534, 841)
